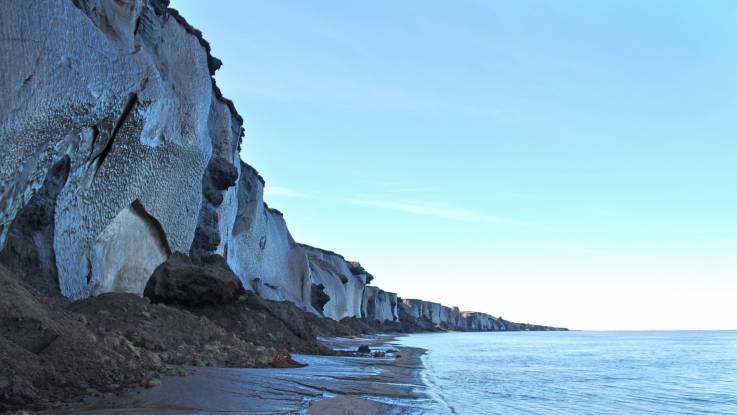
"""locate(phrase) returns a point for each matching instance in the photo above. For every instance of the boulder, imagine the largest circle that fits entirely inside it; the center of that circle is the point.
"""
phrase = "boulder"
(180, 281)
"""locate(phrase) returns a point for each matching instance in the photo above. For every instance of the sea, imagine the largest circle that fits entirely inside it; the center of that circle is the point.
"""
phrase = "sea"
(578, 372)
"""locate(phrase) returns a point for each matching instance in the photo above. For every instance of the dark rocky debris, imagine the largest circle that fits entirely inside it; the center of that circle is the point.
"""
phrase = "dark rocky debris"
(29, 248)
(179, 281)
(319, 297)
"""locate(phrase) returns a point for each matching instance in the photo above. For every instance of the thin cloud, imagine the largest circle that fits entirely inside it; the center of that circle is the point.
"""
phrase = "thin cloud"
(414, 208)
(278, 191)
(444, 212)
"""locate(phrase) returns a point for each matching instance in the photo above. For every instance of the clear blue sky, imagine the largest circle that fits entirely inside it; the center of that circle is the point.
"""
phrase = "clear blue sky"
(569, 163)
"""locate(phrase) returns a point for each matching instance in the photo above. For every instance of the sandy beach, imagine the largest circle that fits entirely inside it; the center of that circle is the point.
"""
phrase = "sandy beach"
(327, 385)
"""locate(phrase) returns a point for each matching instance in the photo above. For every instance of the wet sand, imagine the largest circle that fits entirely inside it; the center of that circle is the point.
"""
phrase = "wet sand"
(327, 385)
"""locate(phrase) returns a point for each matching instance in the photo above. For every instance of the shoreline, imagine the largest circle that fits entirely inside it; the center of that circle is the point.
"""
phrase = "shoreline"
(101, 349)
(390, 384)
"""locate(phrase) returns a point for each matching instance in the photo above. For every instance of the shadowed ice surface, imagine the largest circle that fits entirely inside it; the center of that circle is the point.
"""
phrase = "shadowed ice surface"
(581, 372)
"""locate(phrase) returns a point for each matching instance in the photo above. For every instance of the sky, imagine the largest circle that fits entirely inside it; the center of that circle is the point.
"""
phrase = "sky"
(564, 163)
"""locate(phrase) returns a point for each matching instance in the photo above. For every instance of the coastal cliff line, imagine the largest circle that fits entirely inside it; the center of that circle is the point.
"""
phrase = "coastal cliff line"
(126, 211)
(119, 149)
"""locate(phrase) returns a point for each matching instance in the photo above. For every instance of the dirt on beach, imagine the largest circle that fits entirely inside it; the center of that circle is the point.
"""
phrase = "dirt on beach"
(327, 385)
(53, 354)
(50, 354)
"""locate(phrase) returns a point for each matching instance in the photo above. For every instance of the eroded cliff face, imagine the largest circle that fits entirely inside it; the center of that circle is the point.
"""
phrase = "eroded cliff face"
(122, 94)
(413, 307)
(344, 287)
(260, 249)
(452, 318)
(431, 311)
(379, 305)
(118, 150)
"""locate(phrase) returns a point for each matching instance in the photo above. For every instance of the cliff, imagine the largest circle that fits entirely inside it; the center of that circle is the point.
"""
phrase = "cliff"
(113, 129)
(120, 175)
(118, 150)
(260, 249)
(344, 289)
(379, 305)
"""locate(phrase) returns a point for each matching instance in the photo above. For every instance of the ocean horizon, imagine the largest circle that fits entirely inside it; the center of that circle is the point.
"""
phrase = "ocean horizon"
(582, 372)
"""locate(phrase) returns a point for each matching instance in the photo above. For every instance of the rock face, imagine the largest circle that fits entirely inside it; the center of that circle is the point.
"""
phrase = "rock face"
(431, 311)
(333, 272)
(124, 96)
(428, 315)
(261, 251)
(118, 154)
(358, 270)
(131, 229)
(29, 244)
(379, 305)
(480, 322)
(456, 320)
(445, 316)
(414, 307)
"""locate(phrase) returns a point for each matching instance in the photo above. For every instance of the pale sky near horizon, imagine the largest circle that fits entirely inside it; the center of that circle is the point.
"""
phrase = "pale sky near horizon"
(565, 163)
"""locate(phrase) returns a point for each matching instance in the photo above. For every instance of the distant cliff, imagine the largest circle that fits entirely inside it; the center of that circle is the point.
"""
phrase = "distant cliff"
(117, 150)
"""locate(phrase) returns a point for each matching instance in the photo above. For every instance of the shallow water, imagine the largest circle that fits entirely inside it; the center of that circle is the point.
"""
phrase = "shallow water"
(579, 372)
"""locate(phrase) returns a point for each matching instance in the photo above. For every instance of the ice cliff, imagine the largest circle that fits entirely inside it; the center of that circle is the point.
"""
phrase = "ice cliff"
(117, 150)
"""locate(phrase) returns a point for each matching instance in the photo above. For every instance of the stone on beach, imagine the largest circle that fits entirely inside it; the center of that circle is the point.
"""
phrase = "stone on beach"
(180, 281)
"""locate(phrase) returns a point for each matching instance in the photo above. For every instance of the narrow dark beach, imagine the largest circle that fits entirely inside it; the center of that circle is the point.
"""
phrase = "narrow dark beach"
(391, 384)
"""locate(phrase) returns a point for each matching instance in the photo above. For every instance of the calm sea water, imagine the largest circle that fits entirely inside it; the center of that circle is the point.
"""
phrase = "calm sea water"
(580, 372)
